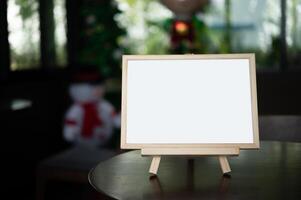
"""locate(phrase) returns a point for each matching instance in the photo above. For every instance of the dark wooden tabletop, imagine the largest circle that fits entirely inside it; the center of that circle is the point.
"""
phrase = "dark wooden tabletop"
(273, 172)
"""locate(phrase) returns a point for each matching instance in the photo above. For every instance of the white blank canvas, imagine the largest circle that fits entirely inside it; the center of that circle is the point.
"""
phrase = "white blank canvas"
(192, 101)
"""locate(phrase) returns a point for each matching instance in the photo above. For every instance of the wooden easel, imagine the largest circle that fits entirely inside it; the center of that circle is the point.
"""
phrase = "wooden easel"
(221, 152)
(134, 122)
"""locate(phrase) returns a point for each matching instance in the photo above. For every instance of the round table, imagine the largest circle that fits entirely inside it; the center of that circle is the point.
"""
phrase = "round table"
(272, 172)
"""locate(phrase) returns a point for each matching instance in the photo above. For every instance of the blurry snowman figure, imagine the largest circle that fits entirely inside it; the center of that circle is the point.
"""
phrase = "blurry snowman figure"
(91, 119)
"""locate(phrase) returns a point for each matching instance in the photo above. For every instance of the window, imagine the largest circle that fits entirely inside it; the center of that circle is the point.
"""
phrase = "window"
(25, 31)
(24, 34)
(224, 26)
(293, 30)
(271, 29)
(60, 32)
(144, 24)
(250, 25)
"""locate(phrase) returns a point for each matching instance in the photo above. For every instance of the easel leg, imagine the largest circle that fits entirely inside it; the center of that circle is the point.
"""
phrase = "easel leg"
(155, 165)
(223, 161)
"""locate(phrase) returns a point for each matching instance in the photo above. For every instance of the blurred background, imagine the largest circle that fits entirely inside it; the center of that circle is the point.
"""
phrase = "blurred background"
(44, 42)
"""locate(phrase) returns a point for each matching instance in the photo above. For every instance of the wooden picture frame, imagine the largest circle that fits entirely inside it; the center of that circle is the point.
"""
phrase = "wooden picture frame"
(197, 148)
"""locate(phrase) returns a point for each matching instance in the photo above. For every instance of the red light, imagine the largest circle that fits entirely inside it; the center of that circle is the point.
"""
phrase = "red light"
(181, 28)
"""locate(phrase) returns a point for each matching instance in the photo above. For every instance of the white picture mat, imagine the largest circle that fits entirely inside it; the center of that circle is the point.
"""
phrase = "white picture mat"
(189, 101)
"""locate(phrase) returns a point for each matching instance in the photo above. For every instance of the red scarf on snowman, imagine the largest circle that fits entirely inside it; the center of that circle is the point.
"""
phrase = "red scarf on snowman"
(91, 119)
